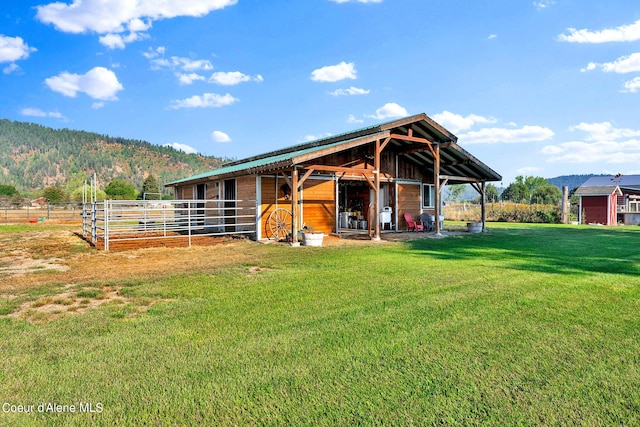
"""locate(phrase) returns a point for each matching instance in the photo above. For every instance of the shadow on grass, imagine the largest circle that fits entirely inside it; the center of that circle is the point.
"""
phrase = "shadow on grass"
(548, 249)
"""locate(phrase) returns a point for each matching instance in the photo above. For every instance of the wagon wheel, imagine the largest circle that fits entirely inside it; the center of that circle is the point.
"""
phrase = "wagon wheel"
(279, 224)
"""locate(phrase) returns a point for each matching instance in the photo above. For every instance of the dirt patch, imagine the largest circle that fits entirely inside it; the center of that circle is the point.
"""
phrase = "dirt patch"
(255, 270)
(59, 257)
(71, 302)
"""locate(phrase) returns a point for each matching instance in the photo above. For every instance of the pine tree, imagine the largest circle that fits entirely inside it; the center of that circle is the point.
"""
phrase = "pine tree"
(150, 189)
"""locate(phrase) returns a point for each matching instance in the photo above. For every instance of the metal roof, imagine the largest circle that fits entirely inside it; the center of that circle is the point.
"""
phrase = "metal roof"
(602, 190)
(280, 160)
(455, 161)
(622, 181)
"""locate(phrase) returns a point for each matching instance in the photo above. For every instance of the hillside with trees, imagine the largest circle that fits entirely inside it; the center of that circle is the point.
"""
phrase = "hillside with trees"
(34, 157)
(571, 181)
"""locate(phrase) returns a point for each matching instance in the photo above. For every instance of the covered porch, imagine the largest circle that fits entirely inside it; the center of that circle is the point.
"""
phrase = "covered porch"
(373, 175)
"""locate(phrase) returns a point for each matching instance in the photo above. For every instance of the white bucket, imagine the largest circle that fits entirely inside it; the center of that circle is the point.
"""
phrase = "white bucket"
(312, 239)
(474, 227)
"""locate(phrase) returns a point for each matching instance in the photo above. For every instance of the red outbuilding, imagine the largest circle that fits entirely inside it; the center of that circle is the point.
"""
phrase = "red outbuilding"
(610, 200)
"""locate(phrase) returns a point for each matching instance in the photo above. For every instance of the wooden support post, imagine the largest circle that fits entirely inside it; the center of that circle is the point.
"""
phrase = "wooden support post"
(295, 208)
(483, 201)
(376, 202)
(436, 188)
(565, 205)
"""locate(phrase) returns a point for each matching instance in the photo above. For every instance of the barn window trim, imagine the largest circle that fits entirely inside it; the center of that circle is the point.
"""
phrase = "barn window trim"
(428, 199)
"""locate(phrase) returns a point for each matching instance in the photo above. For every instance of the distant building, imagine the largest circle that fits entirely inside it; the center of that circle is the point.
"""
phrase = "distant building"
(39, 202)
(610, 200)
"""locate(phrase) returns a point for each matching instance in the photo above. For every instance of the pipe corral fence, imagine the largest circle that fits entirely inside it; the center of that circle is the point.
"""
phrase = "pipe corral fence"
(60, 212)
(123, 224)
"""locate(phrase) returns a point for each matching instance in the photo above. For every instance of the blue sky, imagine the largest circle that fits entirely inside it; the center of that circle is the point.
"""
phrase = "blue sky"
(544, 88)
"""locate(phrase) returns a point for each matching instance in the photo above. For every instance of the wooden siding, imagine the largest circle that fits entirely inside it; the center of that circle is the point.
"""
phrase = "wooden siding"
(408, 201)
(594, 209)
(319, 204)
(213, 191)
(187, 192)
(246, 188)
(272, 199)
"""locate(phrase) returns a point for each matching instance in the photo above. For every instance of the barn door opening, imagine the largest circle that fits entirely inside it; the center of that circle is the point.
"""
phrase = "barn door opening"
(201, 192)
(229, 205)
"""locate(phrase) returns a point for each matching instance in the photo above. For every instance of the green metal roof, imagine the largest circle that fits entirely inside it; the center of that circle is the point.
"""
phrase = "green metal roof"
(276, 160)
(456, 162)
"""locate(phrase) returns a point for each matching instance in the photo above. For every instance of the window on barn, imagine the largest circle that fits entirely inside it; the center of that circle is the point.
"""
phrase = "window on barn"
(427, 196)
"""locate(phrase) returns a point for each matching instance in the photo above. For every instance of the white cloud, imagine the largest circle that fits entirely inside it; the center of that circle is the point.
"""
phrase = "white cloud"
(158, 61)
(334, 73)
(119, 16)
(508, 136)
(622, 65)
(309, 138)
(182, 147)
(350, 91)
(154, 53)
(117, 41)
(528, 170)
(604, 131)
(624, 33)
(632, 86)
(603, 143)
(352, 119)
(388, 111)
(187, 79)
(219, 136)
(11, 68)
(98, 83)
(97, 105)
(543, 4)
(185, 69)
(207, 100)
(232, 78)
(36, 112)
(456, 123)
(13, 49)
(492, 36)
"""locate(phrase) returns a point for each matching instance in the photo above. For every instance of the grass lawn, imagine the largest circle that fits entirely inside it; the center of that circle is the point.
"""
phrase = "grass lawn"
(522, 325)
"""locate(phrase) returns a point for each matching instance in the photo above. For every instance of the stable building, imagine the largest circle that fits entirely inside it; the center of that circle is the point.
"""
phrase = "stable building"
(369, 177)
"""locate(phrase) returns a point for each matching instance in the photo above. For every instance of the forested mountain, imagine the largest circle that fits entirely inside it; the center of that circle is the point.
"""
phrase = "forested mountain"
(33, 157)
(571, 181)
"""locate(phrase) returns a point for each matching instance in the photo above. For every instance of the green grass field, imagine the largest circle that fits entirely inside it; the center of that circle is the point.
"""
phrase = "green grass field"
(522, 325)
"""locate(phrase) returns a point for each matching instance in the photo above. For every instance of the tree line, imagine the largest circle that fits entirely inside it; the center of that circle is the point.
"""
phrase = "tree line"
(530, 190)
(117, 189)
(34, 157)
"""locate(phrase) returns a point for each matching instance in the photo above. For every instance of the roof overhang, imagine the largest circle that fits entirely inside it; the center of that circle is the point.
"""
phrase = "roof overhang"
(416, 138)
(598, 191)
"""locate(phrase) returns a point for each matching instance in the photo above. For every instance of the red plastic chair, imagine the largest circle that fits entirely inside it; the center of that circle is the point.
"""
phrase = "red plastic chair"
(413, 225)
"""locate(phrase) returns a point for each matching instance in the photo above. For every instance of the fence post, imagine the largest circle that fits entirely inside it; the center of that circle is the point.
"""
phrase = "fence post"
(257, 219)
(94, 224)
(189, 220)
(106, 225)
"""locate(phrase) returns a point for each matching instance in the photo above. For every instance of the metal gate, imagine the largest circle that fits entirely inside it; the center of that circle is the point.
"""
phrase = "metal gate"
(109, 221)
